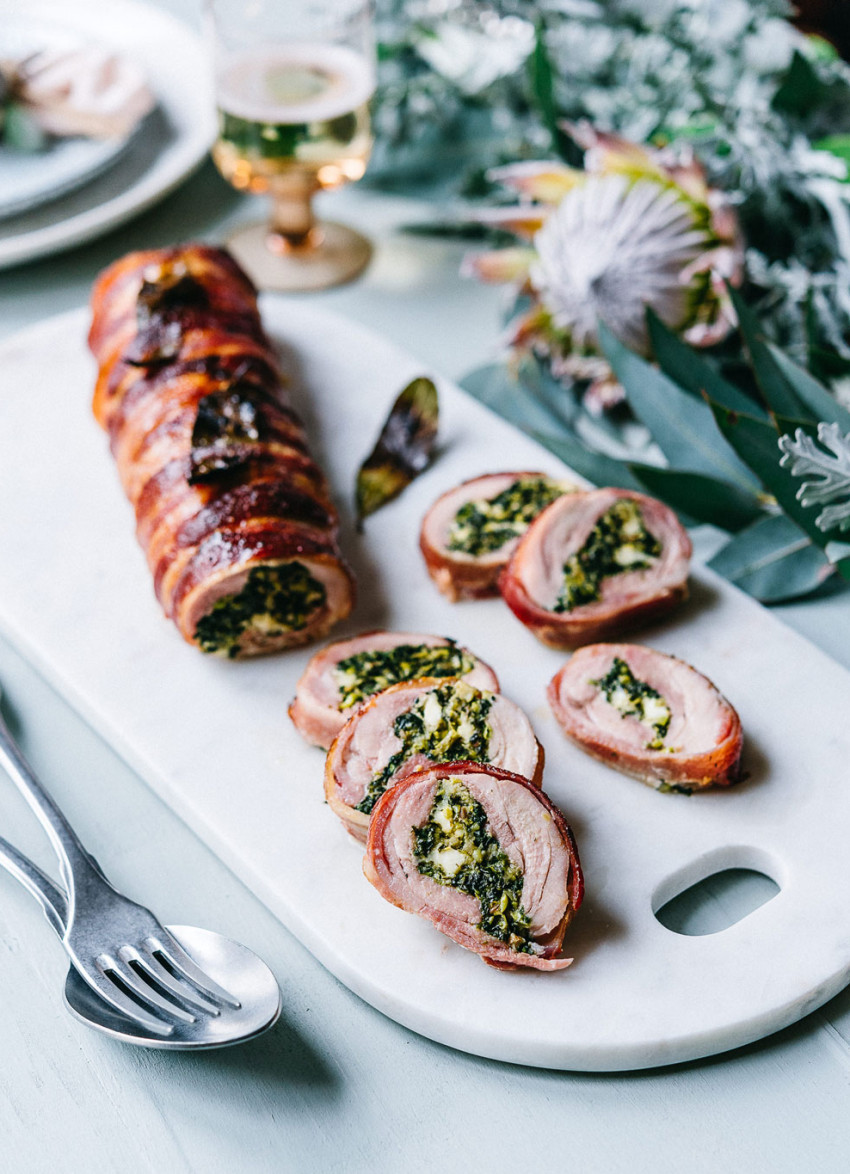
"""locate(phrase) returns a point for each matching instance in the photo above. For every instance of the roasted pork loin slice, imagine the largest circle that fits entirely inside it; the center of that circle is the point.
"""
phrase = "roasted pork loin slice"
(648, 715)
(483, 855)
(470, 532)
(596, 563)
(342, 676)
(233, 513)
(410, 726)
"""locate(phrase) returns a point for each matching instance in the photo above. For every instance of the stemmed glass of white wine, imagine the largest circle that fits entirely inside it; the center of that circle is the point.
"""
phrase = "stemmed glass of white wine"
(293, 79)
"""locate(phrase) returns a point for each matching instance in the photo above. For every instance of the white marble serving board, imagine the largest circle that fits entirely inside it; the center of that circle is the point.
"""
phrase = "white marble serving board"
(213, 739)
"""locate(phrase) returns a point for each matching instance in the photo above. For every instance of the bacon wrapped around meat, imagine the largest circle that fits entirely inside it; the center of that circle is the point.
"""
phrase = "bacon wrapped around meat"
(595, 563)
(483, 855)
(410, 726)
(233, 513)
(648, 715)
(470, 532)
(346, 673)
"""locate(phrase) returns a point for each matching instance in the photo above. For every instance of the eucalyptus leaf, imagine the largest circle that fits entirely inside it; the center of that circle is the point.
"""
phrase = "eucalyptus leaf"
(542, 79)
(813, 394)
(403, 449)
(773, 560)
(838, 145)
(599, 469)
(703, 499)
(838, 554)
(778, 392)
(682, 426)
(499, 388)
(464, 230)
(757, 442)
(801, 90)
(692, 372)
(555, 396)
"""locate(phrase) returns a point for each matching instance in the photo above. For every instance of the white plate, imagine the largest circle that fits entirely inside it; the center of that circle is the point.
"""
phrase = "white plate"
(170, 144)
(213, 739)
(28, 179)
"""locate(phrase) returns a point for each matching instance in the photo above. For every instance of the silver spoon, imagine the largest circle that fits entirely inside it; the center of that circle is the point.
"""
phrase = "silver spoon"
(132, 977)
(218, 956)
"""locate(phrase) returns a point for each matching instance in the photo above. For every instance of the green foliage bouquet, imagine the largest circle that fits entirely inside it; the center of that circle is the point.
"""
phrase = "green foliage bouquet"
(765, 110)
(664, 175)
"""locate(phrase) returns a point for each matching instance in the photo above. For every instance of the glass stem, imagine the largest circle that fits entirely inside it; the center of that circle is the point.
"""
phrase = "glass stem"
(292, 220)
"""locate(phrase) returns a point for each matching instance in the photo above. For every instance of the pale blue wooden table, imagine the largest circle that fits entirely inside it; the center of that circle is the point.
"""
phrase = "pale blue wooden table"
(336, 1086)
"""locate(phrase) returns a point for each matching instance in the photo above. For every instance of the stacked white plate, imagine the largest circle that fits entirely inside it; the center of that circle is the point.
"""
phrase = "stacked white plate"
(77, 189)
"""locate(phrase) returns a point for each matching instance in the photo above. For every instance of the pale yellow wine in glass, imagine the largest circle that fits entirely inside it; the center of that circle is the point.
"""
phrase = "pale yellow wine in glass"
(293, 84)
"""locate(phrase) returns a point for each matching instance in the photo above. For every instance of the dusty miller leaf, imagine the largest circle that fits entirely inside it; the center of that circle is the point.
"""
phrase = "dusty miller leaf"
(804, 459)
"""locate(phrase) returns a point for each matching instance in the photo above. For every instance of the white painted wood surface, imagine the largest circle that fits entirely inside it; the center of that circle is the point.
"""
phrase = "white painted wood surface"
(337, 1086)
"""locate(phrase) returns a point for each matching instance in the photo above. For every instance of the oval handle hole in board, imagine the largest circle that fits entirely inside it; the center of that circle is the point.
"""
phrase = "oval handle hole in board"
(717, 902)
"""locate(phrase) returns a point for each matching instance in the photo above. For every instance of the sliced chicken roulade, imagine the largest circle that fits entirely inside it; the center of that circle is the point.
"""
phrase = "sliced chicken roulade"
(596, 563)
(469, 533)
(648, 715)
(410, 726)
(483, 855)
(348, 672)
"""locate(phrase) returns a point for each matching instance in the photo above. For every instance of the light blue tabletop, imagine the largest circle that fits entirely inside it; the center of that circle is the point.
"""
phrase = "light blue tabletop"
(335, 1085)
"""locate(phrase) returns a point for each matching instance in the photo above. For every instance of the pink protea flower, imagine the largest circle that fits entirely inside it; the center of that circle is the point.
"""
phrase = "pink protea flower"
(637, 227)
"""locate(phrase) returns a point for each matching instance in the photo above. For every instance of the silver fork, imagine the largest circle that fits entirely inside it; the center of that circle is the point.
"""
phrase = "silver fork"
(117, 946)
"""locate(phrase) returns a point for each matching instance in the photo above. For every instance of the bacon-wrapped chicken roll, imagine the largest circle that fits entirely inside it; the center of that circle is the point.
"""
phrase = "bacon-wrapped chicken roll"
(233, 513)
(595, 563)
(469, 533)
(648, 715)
(409, 726)
(483, 855)
(348, 672)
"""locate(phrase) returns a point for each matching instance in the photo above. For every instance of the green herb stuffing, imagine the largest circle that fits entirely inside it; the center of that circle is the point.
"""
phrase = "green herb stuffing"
(619, 542)
(446, 724)
(455, 847)
(274, 599)
(482, 526)
(369, 672)
(634, 698)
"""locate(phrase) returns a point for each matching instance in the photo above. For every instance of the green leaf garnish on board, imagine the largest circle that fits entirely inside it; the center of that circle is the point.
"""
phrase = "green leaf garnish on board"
(403, 450)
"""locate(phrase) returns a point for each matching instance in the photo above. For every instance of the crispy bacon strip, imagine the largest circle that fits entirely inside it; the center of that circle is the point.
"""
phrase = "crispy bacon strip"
(529, 830)
(660, 720)
(534, 578)
(316, 711)
(212, 458)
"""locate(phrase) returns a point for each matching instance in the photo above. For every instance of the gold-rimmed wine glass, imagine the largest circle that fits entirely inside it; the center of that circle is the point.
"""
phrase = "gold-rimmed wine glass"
(293, 80)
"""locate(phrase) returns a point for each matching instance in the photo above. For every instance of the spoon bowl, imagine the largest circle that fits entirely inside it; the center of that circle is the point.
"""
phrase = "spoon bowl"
(235, 966)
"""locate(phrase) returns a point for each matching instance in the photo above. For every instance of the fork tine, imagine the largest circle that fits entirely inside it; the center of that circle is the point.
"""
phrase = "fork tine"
(106, 989)
(119, 966)
(174, 986)
(176, 956)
